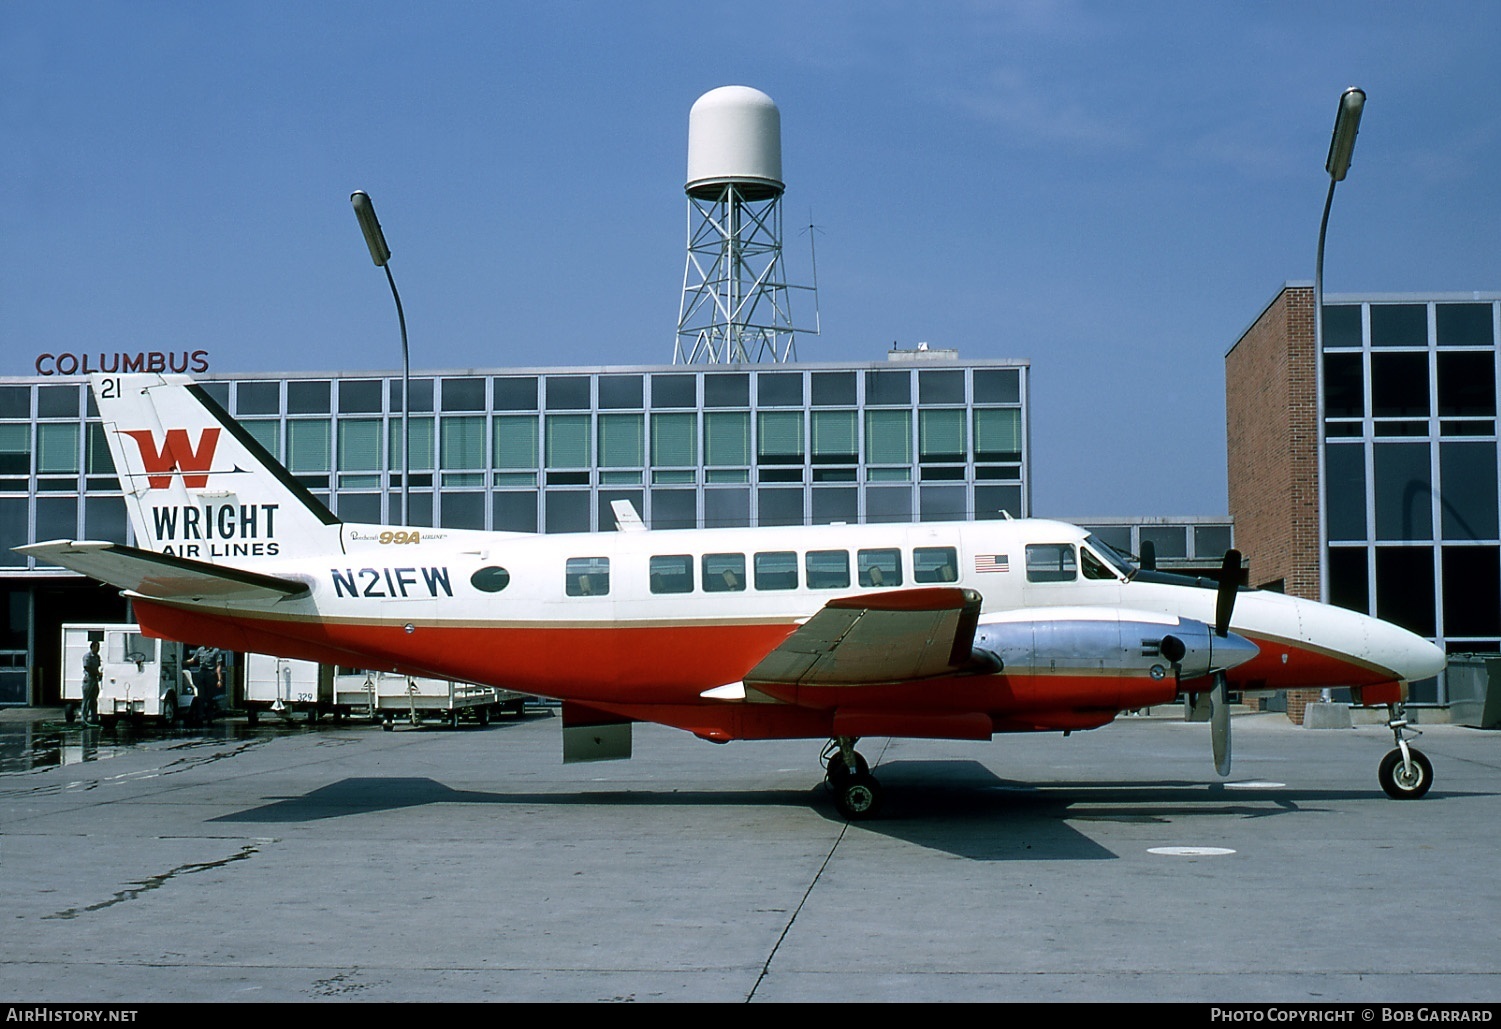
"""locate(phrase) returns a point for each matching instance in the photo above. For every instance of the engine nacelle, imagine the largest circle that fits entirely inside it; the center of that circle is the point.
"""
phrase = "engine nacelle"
(1094, 640)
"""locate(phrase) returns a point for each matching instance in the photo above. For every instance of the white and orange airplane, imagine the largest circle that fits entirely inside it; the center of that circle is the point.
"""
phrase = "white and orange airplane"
(955, 630)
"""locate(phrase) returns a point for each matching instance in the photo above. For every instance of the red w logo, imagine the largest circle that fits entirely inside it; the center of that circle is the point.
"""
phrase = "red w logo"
(176, 454)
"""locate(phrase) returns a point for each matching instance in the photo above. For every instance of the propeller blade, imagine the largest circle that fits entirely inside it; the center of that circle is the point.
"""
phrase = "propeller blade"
(1224, 604)
(1219, 722)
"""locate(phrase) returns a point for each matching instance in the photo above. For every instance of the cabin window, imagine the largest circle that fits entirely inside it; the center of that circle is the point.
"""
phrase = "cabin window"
(776, 570)
(880, 567)
(1051, 562)
(935, 564)
(828, 569)
(724, 573)
(587, 577)
(491, 579)
(671, 573)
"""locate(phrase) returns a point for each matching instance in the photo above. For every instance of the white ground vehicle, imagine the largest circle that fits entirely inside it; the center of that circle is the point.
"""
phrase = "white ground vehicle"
(283, 685)
(387, 696)
(143, 678)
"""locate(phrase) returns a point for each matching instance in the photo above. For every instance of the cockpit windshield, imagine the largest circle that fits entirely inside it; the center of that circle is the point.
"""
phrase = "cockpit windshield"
(1120, 562)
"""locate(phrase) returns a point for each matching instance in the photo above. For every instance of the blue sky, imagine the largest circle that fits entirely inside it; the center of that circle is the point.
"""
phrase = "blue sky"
(1111, 190)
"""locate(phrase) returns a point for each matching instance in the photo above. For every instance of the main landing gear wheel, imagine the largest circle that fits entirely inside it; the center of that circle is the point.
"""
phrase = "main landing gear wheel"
(857, 794)
(1402, 782)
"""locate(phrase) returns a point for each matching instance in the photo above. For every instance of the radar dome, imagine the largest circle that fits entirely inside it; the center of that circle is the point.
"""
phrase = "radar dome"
(735, 137)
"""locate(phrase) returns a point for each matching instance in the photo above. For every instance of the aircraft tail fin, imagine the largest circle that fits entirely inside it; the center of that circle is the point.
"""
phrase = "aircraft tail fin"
(197, 484)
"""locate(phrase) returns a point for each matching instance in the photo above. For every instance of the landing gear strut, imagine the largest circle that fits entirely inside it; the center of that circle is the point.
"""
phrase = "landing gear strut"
(857, 794)
(1405, 773)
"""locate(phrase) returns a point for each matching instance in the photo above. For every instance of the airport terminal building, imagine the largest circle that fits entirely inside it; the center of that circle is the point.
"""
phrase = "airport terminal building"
(1366, 475)
(921, 436)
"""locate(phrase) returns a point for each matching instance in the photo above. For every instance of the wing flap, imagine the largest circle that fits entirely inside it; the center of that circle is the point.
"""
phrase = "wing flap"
(161, 577)
(893, 637)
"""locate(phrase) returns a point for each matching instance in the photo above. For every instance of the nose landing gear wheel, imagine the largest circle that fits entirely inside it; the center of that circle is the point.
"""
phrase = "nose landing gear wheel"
(857, 795)
(1402, 783)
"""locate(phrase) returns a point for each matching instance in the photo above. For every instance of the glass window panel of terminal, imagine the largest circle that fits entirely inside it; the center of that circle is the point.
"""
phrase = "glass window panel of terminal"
(1349, 579)
(257, 398)
(1464, 325)
(940, 435)
(567, 443)
(515, 393)
(1467, 384)
(462, 443)
(726, 438)
(674, 509)
(888, 437)
(998, 434)
(834, 437)
(466, 394)
(622, 440)
(674, 440)
(104, 519)
(1472, 591)
(780, 506)
(727, 508)
(727, 389)
(1171, 541)
(97, 460)
(620, 393)
(1399, 325)
(833, 389)
(15, 452)
(1467, 484)
(1399, 385)
(940, 387)
(308, 446)
(674, 391)
(463, 509)
(420, 453)
(779, 439)
(422, 397)
(57, 402)
(888, 388)
(605, 514)
(779, 389)
(998, 502)
(1214, 540)
(942, 503)
(57, 448)
(1344, 385)
(1341, 325)
(1404, 588)
(1345, 492)
(359, 444)
(568, 393)
(15, 402)
(514, 510)
(516, 442)
(356, 396)
(997, 385)
(1403, 491)
(888, 504)
(13, 526)
(309, 396)
(567, 510)
(57, 518)
(361, 507)
(266, 432)
(835, 504)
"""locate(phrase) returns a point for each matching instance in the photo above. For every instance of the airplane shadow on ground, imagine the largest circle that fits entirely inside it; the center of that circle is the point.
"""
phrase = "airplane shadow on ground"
(957, 807)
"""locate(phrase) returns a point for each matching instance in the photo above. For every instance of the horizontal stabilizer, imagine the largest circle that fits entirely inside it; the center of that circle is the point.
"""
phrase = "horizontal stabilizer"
(893, 637)
(160, 577)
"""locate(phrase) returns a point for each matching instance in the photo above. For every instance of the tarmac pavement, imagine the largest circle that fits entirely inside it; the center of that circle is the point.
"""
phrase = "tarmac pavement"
(340, 862)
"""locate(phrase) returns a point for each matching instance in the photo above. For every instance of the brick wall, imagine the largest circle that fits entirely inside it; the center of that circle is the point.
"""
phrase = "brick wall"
(1271, 422)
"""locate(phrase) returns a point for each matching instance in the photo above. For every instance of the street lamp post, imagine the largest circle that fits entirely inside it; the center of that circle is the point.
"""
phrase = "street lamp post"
(364, 210)
(1337, 164)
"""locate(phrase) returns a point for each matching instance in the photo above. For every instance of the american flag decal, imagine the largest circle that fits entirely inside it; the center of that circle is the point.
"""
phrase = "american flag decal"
(992, 563)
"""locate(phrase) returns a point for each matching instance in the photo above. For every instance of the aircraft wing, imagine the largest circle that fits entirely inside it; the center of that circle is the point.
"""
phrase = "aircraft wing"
(159, 577)
(892, 637)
